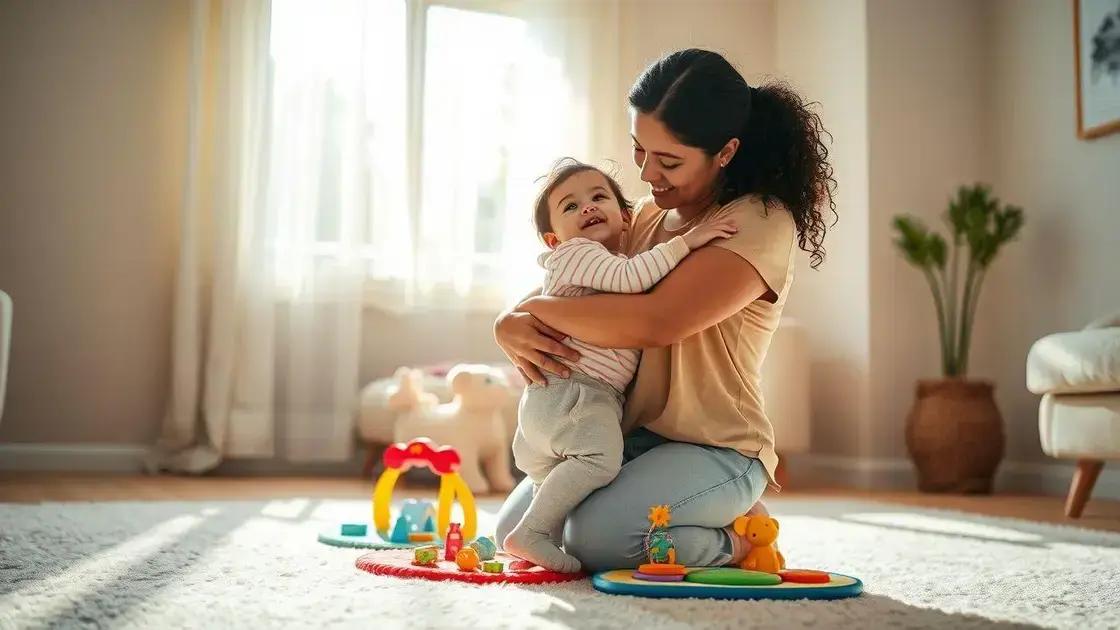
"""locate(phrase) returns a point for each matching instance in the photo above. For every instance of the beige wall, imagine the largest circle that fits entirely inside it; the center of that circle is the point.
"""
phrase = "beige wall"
(822, 52)
(1066, 268)
(928, 133)
(91, 155)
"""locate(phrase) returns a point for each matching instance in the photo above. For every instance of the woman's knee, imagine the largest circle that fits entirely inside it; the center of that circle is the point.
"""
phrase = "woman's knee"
(601, 538)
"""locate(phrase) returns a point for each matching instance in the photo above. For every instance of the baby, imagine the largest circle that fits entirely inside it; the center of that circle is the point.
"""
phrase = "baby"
(569, 436)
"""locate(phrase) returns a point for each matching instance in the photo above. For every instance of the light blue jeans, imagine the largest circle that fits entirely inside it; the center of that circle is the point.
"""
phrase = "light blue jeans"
(706, 487)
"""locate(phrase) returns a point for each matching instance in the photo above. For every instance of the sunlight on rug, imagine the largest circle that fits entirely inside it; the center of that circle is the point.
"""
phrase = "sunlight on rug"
(257, 564)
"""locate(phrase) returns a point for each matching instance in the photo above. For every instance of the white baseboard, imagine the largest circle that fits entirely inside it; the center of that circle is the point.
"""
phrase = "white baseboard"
(119, 458)
(898, 474)
(130, 458)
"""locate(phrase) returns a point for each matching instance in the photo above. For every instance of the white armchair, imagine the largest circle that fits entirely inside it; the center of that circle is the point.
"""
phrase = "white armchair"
(5, 343)
(1078, 375)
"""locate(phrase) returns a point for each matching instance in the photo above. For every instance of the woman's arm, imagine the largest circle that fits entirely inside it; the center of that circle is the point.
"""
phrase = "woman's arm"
(530, 344)
(707, 287)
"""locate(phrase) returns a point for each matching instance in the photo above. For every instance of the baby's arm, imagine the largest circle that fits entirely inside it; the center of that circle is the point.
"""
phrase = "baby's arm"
(585, 263)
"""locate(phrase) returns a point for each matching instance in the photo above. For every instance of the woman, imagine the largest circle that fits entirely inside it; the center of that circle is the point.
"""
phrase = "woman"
(709, 146)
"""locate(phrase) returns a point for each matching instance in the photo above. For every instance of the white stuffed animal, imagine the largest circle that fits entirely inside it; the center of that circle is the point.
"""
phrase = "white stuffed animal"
(383, 401)
(472, 423)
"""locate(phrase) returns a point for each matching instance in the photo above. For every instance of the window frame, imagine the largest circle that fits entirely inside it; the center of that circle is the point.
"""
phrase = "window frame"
(482, 298)
(389, 293)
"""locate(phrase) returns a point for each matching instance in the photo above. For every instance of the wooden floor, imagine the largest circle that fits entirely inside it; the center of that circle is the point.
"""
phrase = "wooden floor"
(34, 488)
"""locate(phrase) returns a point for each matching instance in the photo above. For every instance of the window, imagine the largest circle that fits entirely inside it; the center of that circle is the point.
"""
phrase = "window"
(413, 132)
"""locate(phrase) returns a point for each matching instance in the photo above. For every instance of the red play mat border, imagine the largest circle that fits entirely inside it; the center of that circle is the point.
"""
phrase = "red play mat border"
(398, 563)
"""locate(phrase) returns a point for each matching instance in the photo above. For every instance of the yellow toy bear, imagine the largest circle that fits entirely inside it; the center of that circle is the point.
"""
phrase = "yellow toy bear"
(760, 532)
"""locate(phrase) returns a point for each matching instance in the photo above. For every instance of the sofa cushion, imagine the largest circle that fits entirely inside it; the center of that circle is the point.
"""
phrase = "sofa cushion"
(1078, 426)
(1075, 362)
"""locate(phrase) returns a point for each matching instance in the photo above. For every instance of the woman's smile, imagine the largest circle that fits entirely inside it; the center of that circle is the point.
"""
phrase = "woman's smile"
(663, 194)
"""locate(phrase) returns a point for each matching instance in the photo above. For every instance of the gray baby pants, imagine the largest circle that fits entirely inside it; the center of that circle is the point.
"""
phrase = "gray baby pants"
(569, 442)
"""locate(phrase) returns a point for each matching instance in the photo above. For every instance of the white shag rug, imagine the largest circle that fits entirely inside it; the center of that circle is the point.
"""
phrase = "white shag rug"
(258, 565)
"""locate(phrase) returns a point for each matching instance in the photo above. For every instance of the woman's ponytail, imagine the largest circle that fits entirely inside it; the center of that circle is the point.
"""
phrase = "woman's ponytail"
(782, 157)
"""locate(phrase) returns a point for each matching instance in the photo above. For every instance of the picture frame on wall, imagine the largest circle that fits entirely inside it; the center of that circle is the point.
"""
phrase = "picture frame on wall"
(1096, 29)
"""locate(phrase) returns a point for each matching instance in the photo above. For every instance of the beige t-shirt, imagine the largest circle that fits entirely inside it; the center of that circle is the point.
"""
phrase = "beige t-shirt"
(705, 388)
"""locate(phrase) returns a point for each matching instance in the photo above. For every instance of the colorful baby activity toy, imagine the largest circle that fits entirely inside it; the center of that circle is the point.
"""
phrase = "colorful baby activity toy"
(761, 574)
(727, 583)
(414, 525)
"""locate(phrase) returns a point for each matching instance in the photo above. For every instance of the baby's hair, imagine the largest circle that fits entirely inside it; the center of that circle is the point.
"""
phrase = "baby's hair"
(563, 169)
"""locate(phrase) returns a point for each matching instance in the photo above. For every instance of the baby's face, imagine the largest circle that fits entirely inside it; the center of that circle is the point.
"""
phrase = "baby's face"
(584, 206)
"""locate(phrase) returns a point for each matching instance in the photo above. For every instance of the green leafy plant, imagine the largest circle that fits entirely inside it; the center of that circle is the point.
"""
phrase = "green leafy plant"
(975, 219)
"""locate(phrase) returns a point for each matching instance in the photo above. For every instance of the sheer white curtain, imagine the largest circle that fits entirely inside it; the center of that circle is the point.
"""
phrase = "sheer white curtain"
(354, 154)
(267, 319)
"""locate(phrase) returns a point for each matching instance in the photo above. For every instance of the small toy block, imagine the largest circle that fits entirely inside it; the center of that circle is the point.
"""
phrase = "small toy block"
(426, 555)
(485, 547)
(354, 529)
(493, 566)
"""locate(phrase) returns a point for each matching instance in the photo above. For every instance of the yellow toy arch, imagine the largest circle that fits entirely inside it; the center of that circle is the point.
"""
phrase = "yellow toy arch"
(444, 461)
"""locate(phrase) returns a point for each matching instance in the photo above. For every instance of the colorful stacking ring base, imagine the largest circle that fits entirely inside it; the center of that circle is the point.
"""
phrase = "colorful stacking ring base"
(623, 582)
(732, 577)
(653, 577)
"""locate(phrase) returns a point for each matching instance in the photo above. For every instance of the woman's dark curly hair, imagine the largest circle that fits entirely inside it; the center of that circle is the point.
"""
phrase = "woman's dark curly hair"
(782, 157)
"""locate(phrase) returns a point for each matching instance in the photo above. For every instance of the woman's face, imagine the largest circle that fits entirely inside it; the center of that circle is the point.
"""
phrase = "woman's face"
(678, 175)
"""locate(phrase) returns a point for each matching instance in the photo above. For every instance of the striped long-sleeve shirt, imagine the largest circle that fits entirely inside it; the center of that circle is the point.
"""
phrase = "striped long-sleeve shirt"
(581, 267)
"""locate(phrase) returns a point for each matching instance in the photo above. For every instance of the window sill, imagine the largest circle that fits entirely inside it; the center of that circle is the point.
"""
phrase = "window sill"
(388, 297)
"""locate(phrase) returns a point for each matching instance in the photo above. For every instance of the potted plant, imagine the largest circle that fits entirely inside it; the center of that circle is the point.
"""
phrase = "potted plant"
(954, 431)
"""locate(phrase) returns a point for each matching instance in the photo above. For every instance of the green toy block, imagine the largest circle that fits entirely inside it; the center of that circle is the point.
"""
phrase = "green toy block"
(492, 566)
(426, 555)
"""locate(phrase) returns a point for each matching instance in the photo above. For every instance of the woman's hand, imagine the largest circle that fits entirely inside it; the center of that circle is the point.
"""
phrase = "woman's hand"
(701, 235)
(530, 344)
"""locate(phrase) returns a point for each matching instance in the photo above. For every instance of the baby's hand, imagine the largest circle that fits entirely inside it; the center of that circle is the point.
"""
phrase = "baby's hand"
(702, 234)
